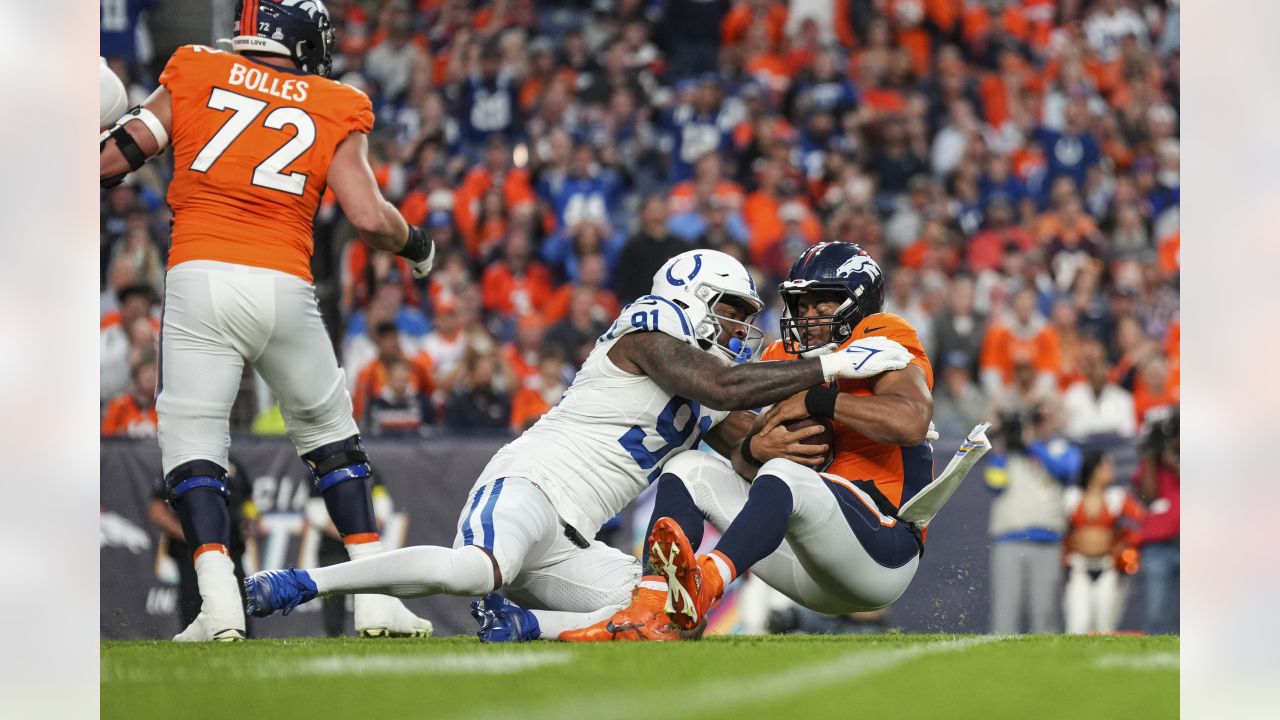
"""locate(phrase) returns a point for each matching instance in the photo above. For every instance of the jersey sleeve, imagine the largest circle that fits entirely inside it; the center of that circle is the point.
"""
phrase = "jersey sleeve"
(651, 313)
(900, 331)
(173, 69)
(360, 116)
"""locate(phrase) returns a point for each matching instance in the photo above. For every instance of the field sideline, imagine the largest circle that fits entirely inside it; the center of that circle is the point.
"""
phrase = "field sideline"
(952, 676)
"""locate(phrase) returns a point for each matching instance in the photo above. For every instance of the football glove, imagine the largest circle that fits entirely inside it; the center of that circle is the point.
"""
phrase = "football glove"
(865, 358)
(420, 251)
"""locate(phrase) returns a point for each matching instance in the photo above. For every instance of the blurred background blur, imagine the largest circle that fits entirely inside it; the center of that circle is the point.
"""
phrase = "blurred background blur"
(1013, 165)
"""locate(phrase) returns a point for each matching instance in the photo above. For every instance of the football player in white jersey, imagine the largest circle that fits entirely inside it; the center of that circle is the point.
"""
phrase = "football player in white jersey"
(665, 376)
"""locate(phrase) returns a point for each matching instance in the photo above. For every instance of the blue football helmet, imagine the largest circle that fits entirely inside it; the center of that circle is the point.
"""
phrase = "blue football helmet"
(297, 29)
(842, 268)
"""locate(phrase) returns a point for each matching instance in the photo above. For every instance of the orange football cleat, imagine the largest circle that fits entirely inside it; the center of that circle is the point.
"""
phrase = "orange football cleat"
(643, 619)
(694, 584)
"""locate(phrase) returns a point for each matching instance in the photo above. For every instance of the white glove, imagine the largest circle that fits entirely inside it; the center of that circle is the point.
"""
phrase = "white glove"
(422, 267)
(865, 358)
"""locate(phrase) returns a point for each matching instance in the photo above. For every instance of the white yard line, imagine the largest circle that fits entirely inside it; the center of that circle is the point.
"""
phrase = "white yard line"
(1143, 661)
(719, 694)
(492, 663)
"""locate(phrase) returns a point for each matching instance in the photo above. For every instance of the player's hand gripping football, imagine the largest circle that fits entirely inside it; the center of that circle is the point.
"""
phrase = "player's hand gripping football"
(780, 442)
(865, 358)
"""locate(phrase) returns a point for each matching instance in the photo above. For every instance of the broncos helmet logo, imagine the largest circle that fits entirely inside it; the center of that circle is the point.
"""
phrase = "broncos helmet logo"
(858, 263)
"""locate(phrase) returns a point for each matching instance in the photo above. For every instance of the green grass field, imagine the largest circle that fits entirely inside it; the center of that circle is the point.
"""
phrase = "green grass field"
(934, 676)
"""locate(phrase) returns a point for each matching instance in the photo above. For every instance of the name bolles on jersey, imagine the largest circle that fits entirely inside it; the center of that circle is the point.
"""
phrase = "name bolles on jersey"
(257, 80)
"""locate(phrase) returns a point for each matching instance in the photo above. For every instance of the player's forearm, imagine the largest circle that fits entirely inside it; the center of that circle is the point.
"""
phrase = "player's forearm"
(889, 419)
(112, 162)
(744, 387)
(383, 229)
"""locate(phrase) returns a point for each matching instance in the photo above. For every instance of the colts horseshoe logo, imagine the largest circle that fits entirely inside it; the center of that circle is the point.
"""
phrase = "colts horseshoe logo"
(697, 266)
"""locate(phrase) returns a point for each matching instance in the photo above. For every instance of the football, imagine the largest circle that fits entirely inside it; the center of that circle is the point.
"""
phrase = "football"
(826, 437)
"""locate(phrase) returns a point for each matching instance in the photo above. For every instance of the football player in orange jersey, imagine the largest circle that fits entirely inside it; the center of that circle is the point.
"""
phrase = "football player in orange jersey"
(257, 135)
(845, 540)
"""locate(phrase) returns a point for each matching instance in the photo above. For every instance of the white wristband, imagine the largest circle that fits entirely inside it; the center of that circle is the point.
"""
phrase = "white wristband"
(831, 363)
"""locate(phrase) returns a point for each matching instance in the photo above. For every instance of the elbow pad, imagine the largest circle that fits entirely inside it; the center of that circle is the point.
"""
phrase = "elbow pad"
(128, 146)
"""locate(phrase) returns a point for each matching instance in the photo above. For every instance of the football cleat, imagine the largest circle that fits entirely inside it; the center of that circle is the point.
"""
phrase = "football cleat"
(206, 629)
(503, 621)
(271, 590)
(385, 616)
(693, 586)
(643, 619)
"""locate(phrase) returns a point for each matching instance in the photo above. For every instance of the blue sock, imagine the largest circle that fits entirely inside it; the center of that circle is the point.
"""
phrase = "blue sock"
(198, 492)
(761, 526)
(674, 501)
(343, 477)
(205, 518)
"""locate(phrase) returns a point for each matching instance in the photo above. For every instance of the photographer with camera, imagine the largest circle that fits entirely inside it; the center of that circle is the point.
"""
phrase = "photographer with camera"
(1027, 521)
(1158, 482)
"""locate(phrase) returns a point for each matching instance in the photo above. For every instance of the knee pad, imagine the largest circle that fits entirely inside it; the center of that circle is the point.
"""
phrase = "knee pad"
(195, 474)
(337, 463)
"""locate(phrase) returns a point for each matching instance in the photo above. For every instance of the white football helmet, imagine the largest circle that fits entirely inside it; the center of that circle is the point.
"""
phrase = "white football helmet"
(699, 279)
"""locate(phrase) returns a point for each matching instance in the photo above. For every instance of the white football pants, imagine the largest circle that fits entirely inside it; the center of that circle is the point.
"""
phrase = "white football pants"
(541, 567)
(219, 315)
(822, 564)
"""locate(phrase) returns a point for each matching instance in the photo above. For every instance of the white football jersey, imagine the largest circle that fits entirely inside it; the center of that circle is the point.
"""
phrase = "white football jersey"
(610, 434)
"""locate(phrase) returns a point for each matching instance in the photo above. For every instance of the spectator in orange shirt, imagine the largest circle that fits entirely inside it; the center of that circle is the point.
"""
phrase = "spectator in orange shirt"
(999, 235)
(541, 392)
(1154, 389)
(1069, 236)
(592, 274)
(133, 414)
(372, 378)
(517, 284)
(400, 408)
(521, 354)
(1023, 337)
(497, 173)
(769, 14)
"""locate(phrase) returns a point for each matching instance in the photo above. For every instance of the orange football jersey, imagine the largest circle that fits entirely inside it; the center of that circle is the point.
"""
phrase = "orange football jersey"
(890, 467)
(252, 144)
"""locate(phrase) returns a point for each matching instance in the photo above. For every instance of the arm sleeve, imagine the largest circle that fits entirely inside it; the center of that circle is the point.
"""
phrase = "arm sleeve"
(361, 118)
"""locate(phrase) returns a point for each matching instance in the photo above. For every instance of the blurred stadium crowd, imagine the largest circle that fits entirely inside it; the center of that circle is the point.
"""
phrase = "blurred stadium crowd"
(1013, 165)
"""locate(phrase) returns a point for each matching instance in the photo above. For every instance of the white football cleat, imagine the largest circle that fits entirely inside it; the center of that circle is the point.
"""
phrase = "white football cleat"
(206, 628)
(385, 616)
(221, 615)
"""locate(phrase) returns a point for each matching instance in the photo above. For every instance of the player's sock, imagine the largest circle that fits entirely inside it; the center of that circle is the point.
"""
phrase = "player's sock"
(410, 572)
(362, 545)
(198, 493)
(342, 475)
(674, 501)
(758, 529)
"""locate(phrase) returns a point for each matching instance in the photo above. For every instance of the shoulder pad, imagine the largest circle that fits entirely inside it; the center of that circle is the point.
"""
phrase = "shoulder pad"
(652, 313)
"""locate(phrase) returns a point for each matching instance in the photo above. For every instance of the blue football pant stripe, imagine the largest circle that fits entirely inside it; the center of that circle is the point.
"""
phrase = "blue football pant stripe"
(467, 535)
(486, 516)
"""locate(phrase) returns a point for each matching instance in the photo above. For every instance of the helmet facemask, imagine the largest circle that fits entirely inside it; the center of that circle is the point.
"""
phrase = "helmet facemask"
(708, 331)
(795, 327)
